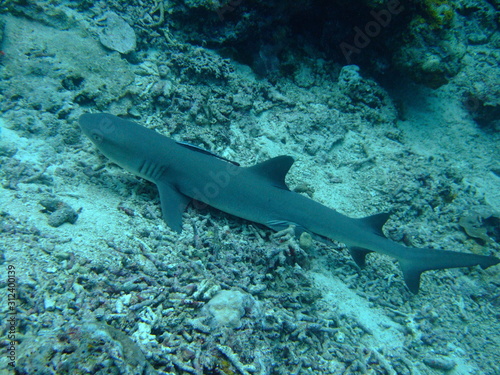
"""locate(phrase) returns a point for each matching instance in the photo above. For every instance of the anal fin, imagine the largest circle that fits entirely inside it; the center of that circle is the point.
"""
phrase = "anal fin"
(412, 277)
(359, 255)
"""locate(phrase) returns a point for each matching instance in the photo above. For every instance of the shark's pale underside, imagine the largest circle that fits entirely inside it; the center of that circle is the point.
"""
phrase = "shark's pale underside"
(258, 193)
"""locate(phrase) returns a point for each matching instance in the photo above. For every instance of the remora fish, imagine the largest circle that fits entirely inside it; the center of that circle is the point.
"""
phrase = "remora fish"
(258, 193)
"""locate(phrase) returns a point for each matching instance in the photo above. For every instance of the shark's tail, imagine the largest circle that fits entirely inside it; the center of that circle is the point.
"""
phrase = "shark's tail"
(422, 260)
(414, 261)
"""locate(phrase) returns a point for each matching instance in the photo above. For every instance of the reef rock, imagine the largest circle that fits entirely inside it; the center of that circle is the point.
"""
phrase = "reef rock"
(227, 308)
(117, 34)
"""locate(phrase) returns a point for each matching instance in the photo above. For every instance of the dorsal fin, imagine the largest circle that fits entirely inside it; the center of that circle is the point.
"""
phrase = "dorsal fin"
(274, 170)
(376, 222)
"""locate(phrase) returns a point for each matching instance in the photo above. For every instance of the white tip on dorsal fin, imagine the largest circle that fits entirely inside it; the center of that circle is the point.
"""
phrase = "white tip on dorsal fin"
(274, 170)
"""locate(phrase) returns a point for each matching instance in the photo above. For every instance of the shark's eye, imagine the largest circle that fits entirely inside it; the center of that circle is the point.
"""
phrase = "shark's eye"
(97, 137)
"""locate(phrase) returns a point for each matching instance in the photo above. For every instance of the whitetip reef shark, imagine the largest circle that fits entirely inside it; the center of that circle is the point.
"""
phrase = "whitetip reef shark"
(258, 193)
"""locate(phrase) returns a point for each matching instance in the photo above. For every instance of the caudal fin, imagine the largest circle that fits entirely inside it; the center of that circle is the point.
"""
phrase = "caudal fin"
(414, 261)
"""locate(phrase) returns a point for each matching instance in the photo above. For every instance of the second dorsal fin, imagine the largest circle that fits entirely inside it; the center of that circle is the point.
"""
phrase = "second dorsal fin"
(274, 170)
(376, 222)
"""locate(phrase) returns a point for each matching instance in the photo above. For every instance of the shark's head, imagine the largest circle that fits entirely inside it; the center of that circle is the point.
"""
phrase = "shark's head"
(124, 142)
(98, 127)
(108, 133)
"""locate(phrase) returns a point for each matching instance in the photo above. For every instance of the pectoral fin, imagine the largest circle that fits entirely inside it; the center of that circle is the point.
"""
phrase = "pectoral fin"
(173, 204)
